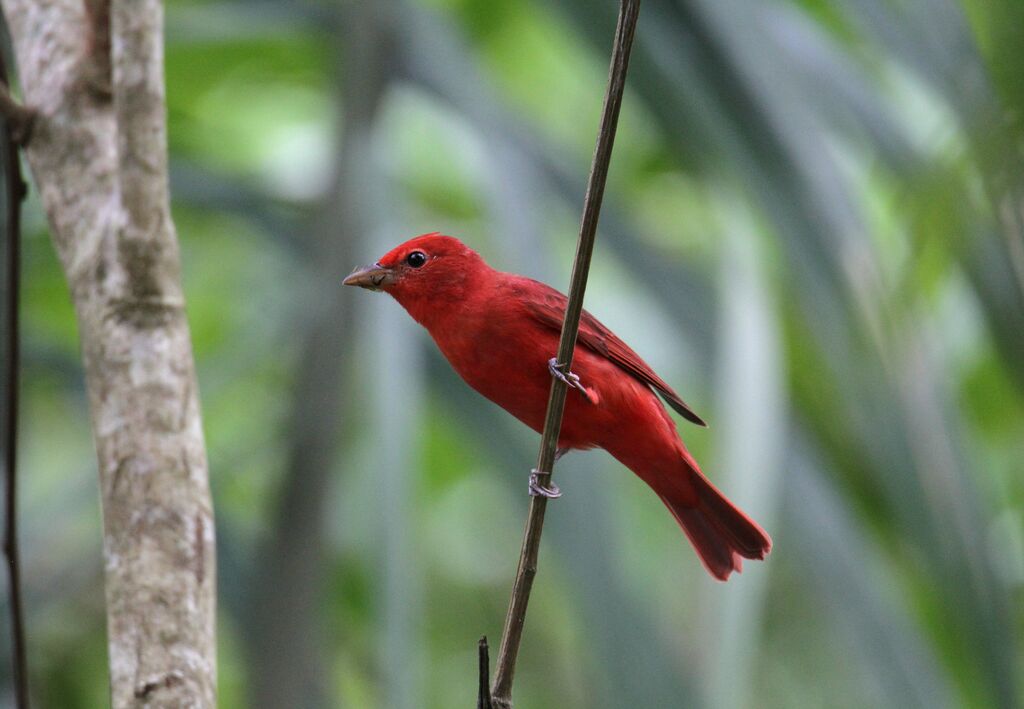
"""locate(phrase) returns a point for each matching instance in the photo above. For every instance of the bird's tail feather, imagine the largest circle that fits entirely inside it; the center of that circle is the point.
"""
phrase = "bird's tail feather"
(722, 534)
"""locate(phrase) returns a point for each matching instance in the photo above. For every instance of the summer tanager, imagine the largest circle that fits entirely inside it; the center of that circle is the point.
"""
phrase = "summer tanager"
(499, 331)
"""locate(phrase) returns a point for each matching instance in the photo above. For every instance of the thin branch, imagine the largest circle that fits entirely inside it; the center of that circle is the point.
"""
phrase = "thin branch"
(19, 119)
(14, 187)
(483, 697)
(516, 617)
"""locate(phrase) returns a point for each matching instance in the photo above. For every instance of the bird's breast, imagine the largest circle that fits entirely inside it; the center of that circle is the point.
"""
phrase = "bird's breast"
(504, 363)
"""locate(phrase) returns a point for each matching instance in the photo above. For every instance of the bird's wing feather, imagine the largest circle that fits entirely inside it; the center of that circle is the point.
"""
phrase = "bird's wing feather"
(547, 306)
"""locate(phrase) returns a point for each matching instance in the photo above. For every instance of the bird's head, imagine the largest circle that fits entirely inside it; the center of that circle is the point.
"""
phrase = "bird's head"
(427, 270)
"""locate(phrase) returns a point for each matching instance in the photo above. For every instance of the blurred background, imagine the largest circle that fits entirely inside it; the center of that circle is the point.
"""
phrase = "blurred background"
(813, 230)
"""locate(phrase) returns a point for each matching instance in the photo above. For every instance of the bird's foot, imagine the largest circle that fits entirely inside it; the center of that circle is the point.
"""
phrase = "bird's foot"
(552, 492)
(570, 379)
(559, 453)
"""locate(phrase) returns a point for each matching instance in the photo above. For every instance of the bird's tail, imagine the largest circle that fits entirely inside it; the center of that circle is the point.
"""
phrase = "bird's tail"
(722, 535)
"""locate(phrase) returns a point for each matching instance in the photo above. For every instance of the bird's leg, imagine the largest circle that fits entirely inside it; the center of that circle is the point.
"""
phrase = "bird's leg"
(552, 492)
(570, 379)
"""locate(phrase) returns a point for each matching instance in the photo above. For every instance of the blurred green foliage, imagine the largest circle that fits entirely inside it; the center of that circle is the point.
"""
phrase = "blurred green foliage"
(812, 229)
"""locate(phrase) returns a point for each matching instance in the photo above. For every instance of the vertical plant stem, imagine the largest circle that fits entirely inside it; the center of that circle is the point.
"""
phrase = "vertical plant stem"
(513, 632)
(483, 698)
(14, 188)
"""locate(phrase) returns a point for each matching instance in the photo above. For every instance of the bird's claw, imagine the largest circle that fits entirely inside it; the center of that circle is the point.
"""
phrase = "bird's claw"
(568, 378)
(552, 492)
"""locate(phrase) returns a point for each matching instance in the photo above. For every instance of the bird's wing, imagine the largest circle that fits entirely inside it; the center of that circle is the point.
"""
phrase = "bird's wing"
(548, 306)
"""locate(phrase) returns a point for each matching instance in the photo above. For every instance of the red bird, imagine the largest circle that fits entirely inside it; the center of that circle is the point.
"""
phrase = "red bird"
(499, 331)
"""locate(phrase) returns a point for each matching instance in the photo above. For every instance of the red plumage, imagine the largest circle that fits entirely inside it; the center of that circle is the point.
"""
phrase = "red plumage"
(498, 331)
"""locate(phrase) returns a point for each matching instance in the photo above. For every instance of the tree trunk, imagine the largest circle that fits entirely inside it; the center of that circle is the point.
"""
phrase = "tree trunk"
(288, 666)
(93, 71)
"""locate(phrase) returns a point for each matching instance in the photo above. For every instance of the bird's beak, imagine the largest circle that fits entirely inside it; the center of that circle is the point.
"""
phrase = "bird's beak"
(370, 277)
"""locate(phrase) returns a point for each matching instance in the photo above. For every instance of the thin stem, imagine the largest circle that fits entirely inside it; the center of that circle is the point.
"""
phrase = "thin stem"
(15, 191)
(483, 699)
(19, 119)
(512, 635)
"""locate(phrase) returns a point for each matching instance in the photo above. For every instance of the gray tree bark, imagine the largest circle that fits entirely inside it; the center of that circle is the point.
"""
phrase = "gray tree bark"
(93, 71)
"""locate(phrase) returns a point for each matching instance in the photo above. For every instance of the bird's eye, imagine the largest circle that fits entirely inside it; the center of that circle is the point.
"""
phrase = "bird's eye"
(416, 259)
